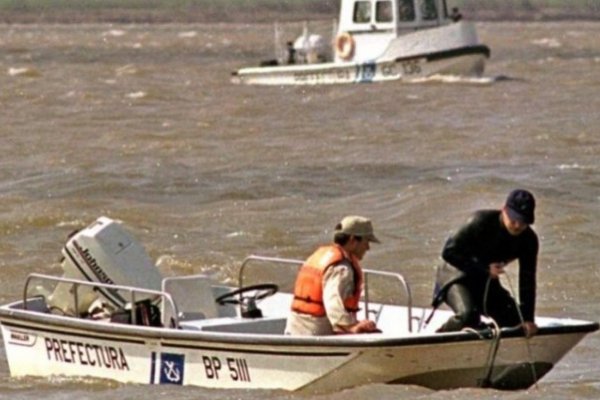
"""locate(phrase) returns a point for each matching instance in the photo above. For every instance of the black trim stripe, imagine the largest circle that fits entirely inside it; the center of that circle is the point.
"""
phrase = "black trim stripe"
(440, 55)
(152, 367)
(477, 49)
(263, 351)
(70, 333)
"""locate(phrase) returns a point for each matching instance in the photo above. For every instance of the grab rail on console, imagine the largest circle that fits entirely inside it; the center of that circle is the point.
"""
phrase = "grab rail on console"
(367, 272)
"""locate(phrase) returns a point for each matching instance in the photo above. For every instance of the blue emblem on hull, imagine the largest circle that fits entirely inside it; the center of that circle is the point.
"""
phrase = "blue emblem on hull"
(171, 368)
(365, 73)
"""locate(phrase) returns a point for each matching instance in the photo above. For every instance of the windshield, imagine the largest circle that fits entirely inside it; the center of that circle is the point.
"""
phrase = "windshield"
(406, 10)
(429, 10)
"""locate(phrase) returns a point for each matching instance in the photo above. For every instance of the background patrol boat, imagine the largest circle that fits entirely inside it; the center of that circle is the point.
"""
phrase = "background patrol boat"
(378, 40)
(191, 331)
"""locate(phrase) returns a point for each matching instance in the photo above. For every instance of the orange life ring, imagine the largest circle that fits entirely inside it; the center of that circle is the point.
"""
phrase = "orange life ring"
(344, 46)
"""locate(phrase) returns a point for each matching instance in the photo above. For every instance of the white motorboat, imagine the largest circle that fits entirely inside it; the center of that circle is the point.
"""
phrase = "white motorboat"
(191, 331)
(375, 41)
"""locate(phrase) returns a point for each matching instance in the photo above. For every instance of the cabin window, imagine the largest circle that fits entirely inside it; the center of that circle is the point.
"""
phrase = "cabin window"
(429, 10)
(362, 12)
(406, 10)
(383, 11)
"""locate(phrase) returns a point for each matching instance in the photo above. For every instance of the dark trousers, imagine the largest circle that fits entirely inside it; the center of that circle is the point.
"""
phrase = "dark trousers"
(469, 301)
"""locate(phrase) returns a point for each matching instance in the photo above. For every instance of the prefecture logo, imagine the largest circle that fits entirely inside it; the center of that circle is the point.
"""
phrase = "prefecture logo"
(171, 368)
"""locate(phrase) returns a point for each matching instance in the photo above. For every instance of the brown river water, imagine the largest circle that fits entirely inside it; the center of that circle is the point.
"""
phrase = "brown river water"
(141, 123)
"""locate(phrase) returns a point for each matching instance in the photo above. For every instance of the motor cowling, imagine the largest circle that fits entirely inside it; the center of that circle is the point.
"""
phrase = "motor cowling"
(103, 252)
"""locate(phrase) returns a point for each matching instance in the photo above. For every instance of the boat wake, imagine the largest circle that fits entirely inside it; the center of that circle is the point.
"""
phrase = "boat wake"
(471, 80)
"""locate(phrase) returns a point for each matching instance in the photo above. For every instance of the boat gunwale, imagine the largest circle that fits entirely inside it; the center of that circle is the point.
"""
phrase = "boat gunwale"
(33, 320)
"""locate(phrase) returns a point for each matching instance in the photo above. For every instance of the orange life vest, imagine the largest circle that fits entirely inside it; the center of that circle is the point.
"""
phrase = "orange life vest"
(308, 291)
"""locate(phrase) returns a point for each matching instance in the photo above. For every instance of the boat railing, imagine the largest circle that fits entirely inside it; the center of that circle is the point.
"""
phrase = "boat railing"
(288, 261)
(133, 291)
(403, 283)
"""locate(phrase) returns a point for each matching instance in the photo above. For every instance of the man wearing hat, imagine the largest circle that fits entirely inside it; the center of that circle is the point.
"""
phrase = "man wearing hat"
(329, 284)
(476, 256)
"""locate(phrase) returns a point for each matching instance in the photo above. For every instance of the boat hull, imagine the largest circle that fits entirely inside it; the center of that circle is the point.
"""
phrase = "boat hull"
(467, 61)
(39, 344)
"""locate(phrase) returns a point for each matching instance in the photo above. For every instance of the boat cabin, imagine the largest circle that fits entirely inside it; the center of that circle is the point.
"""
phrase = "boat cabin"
(367, 26)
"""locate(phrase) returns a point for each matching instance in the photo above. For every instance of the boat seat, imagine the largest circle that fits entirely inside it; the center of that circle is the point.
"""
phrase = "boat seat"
(193, 297)
(268, 325)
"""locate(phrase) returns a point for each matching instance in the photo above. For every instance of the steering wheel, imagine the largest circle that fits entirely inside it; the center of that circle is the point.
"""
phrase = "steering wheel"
(261, 291)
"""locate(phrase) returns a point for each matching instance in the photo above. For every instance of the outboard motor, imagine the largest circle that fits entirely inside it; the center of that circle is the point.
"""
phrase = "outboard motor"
(103, 252)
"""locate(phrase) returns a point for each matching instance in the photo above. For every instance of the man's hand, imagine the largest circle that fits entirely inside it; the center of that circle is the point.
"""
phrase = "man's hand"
(364, 326)
(496, 269)
(530, 328)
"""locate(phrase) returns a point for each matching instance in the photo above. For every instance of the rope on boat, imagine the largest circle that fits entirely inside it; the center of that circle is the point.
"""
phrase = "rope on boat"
(496, 336)
(486, 382)
(492, 353)
(495, 340)
(527, 346)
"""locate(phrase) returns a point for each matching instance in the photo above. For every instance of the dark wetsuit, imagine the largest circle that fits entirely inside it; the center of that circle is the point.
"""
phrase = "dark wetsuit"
(482, 241)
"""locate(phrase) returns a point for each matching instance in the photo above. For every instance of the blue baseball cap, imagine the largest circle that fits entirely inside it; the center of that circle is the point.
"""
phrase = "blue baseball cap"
(520, 206)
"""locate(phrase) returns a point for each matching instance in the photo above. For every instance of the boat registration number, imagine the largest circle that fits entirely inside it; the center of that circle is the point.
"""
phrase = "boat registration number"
(236, 368)
(408, 67)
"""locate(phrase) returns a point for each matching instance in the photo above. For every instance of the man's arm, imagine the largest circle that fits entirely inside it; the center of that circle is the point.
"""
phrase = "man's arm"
(338, 285)
(527, 277)
(460, 249)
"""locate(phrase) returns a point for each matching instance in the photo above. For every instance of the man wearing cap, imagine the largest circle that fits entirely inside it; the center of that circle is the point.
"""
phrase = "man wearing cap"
(329, 284)
(477, 255)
